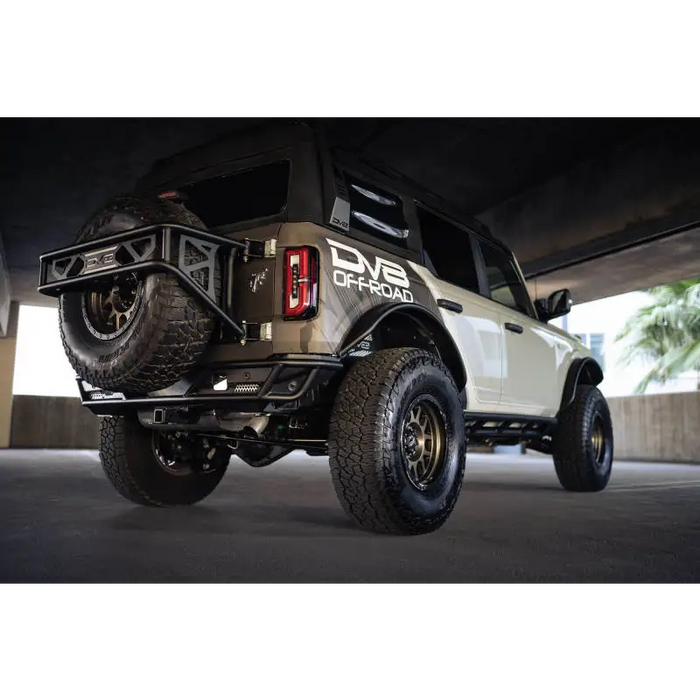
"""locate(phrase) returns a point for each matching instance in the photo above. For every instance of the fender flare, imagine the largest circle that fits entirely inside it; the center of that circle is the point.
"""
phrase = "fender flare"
(583, 370)
(430, 322)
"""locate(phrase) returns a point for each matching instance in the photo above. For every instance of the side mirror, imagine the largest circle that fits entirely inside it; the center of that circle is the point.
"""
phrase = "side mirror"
(555, 305)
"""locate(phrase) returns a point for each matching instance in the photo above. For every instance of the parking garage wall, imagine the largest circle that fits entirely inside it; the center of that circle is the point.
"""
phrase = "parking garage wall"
(52, 422)
(658, 427)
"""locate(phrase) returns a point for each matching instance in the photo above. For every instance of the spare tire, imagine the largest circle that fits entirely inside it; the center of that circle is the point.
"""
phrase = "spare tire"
(144, 333)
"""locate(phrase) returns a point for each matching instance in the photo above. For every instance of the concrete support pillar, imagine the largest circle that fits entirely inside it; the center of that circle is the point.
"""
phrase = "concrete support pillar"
(8, 345)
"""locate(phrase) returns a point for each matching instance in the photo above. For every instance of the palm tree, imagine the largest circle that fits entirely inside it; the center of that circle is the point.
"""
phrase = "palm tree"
(666, 333)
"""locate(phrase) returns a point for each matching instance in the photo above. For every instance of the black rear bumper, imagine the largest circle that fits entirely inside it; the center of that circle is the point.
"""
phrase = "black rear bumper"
(274, 385)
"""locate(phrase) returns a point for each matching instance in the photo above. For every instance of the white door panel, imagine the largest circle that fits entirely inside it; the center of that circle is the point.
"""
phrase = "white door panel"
(535, 365)
(477, 332)
(535, 357)
(528, 360)
(507, 372)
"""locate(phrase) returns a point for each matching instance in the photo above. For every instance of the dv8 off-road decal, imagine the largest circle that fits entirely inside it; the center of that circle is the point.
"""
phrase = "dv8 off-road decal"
(383, 278)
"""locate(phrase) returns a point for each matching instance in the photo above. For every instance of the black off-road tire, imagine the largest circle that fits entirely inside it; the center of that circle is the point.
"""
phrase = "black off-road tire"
(131, 465)
(366, 449)
(169, 331)
(578, 464)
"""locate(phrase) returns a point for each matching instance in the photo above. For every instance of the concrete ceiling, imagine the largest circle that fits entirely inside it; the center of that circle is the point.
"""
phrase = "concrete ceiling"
(54, 172)
(648, 264)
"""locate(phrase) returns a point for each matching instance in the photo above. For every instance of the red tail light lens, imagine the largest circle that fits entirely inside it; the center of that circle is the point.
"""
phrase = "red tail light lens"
(300, 283)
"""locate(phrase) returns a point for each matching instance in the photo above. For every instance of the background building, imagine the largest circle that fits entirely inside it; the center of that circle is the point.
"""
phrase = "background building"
(597, 323)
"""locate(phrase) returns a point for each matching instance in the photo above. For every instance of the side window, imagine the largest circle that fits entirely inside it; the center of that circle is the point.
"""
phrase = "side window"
(503, 280)
(375, 211)
(448, 251)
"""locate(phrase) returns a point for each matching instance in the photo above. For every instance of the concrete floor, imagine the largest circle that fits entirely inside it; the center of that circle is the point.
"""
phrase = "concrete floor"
(61, 521)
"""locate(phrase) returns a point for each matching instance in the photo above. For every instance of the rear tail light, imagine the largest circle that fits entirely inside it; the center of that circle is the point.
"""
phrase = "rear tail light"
(300, 282)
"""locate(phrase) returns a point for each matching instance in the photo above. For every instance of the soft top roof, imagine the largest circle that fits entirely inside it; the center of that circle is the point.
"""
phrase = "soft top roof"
(240, 144)
(277, 134)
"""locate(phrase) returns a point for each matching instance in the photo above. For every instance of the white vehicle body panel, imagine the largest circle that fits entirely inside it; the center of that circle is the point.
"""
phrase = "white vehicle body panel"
(510, 373)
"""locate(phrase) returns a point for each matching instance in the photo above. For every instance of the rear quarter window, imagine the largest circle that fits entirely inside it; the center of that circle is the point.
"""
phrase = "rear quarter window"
(376, 211)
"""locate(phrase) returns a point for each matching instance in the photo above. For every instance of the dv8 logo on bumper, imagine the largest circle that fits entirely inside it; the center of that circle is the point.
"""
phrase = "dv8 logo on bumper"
(352, 269)
(99, 259)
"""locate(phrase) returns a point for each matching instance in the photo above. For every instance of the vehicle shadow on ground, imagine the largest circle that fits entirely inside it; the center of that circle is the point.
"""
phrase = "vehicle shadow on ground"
(287, 520)
(495, 486)
(202, 519)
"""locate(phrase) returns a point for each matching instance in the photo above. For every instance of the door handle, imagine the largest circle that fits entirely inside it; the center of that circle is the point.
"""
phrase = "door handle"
(450, 305)
(514, 328)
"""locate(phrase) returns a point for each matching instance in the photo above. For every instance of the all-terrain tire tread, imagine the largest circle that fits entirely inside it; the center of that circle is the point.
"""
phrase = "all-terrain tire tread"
(570, 453)
(115, 463)
(177, 338)
(179, 328)
(126, 460)
(357, 445)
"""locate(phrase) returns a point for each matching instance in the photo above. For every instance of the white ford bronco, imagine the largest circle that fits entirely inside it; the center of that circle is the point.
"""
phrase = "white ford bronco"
(265, 293)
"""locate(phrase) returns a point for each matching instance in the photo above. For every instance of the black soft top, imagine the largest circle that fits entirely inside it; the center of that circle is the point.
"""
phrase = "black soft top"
(239, 145)
(275, 135)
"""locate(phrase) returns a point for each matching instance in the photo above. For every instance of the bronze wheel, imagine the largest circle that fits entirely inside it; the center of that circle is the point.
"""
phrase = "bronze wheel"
(109, 313)
(599, 441)
(423, 442)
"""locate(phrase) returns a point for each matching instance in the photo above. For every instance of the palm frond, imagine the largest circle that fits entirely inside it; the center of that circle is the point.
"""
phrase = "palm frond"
(681, 360)
(665, 333)
(648, 378)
